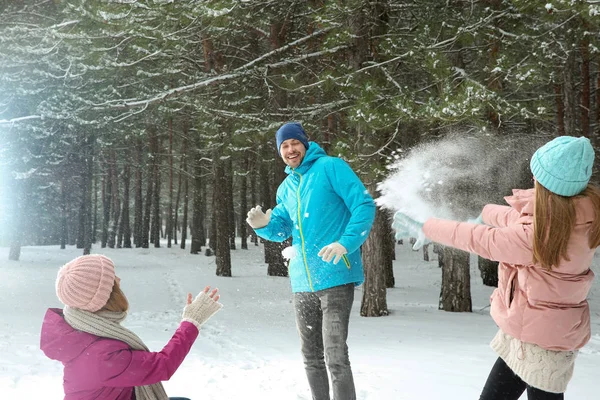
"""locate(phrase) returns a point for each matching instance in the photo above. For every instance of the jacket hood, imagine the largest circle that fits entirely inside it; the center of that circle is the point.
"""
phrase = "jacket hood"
(313, 153)
(59, 340)
(522, 200)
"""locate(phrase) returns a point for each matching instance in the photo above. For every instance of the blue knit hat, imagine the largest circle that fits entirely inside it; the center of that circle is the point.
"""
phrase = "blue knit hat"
(564, 165)
(290, 130)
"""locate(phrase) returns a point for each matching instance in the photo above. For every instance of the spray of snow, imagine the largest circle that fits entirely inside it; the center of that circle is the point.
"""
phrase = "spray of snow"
(455, 177)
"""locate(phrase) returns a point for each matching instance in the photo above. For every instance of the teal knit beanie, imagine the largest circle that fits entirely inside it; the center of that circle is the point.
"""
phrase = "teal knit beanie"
(564, 165)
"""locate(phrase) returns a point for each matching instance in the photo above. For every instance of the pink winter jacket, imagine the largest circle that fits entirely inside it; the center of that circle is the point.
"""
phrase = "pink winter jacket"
(100, 368)
(547, 308)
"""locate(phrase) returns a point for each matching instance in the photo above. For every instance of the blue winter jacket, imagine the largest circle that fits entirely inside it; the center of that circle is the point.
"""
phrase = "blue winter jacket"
(320, 202)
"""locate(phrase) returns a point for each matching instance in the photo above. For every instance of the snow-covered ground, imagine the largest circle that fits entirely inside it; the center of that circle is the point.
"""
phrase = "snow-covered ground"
(250, 349)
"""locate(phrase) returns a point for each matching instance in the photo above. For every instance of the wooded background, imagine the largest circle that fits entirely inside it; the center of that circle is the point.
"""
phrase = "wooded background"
(123, 122)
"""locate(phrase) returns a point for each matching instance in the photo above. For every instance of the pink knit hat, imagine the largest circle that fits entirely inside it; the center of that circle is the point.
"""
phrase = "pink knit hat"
(86, 282)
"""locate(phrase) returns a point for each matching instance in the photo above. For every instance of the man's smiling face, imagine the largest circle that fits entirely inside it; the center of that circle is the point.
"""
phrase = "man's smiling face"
(292, 152)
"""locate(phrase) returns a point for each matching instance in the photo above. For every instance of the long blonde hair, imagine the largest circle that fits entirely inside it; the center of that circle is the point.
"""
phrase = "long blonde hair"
(554, 221)
(117, 302)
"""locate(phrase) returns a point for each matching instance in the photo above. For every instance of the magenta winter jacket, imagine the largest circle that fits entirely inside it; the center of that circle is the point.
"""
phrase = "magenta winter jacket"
(547, 308)
(100, 368)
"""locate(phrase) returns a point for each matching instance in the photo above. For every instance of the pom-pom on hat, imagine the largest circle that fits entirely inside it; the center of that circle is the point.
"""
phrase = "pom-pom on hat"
(86, 282)
(290, 130)
(564, 165)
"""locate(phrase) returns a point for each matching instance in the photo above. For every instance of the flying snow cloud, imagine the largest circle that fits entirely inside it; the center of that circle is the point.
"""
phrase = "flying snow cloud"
(455, 177)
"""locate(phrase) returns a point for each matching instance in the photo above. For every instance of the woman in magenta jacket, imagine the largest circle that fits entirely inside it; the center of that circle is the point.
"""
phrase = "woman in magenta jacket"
(101, 358)
(545, 242)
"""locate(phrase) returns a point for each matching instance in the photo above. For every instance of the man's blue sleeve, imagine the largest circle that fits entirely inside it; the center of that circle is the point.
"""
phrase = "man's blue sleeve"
(279, 227)
(348, 186)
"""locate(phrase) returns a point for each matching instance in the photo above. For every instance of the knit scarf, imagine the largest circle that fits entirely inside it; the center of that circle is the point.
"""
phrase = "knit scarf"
(108, 324)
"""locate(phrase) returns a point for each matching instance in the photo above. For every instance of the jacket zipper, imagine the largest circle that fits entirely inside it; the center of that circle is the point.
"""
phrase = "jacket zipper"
(302, 234)
(346, 261)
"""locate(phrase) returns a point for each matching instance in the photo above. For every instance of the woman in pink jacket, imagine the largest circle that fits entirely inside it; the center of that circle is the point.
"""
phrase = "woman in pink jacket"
(101, 358)
(545, 242)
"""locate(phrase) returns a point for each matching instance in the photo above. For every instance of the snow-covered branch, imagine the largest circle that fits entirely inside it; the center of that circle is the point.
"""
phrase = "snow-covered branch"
(219, 78)
(168, 93)
(283, 48)
(307, 56)
(63, 24)
(20, 119)
(131, 64)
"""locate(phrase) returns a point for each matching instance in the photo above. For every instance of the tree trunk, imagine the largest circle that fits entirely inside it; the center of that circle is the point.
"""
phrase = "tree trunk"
(376, 260)
(425, 250)
(72, 223)
(96, 205)
(265, 201)
(63, 217)
(390, 250)
(84, 220)
(455, 292)
(184, 218)
(170, 224)
(183, 176)
(150, 188)
(489, 271)
(220, 210)
(197, 216)
(278, 31)
(493, 79)
(560, 109)
(156, 220)
(390, 280)
(81, 216)
(145, 238)
(253, 198)
(368, 25)
(89, 222)
(585, 87)
(106, 204)
(125, 230)
(570, 93)
(84, 205)
(212, 235)
(176, 207)
(228, 167)
(205, 216)
(116, 203)
(277, 266)
(138, 226)
(244, 201)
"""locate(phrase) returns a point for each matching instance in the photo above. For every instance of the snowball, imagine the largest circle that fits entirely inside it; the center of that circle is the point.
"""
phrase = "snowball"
(289, 252)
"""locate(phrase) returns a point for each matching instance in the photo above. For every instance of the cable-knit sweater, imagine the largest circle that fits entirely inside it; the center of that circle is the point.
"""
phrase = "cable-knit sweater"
(543, 369)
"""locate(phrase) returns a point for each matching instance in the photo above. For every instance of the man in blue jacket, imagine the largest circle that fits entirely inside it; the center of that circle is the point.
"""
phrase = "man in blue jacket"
(328, 212)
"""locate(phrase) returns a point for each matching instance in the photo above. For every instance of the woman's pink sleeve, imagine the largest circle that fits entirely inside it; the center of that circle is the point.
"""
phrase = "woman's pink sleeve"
(126, 367)
(510, 244)
(500, 216)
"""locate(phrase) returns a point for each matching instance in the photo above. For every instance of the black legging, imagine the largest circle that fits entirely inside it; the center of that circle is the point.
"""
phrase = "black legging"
(504, 384)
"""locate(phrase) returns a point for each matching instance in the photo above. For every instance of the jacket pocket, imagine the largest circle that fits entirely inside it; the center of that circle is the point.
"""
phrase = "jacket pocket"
(510, 288)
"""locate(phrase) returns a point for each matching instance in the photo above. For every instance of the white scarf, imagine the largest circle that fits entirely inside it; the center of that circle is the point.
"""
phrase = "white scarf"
(108, 324)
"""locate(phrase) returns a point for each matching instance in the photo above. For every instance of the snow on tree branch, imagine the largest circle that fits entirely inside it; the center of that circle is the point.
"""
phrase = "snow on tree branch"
(20, 119)
(284, 48)
(219, 78)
